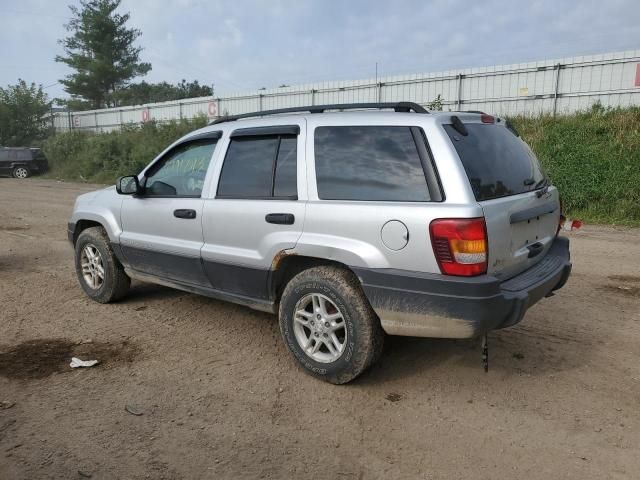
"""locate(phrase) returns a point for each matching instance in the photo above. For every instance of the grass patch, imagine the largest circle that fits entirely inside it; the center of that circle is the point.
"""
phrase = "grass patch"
(593, 158)
(103, 157)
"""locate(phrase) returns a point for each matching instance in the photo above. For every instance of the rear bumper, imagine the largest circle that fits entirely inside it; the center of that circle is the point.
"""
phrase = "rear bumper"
(430, 305)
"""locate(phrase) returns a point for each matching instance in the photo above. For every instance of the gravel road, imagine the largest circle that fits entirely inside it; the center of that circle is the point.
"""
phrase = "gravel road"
(213, 393)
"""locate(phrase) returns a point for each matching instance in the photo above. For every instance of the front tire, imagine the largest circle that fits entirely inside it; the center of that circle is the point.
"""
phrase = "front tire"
(99, 272)
(329, 325)
(21, 172)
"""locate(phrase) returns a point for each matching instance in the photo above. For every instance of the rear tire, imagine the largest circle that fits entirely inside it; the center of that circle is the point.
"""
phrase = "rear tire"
(329, 325)
(21, 172)
(99, 272)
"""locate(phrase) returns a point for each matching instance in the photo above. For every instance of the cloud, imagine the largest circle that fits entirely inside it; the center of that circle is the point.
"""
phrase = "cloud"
(247, 44)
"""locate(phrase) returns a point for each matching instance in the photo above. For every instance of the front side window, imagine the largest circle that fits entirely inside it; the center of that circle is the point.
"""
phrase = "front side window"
(182, 171)
(369, 163)
(260, 167)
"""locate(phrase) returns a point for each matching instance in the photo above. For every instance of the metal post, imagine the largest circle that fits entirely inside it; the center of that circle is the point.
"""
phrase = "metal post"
(313, 96)
(379, 87)
(260, 107)
(69, 119)
(95, 120)
(218, 111)
(555, 93)
(120, 119)
(459, 102)
(180, 107)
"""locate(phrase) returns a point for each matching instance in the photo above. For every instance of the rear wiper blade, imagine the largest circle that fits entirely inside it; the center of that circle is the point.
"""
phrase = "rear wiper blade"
(541, 183)
(542, 187)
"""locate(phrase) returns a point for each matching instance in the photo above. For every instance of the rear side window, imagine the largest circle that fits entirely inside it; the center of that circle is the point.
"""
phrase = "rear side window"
(260, 167)
(497, 162)
(369, 163)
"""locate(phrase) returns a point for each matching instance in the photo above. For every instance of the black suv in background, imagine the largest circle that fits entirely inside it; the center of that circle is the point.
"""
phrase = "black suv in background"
(22, 162)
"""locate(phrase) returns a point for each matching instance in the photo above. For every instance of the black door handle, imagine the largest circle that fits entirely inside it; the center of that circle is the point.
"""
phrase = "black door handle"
(184, 213)
(535, 249)
(280, 218)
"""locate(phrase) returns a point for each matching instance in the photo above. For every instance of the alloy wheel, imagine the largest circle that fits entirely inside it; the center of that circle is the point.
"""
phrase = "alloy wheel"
(92, 266)
(21, 172)
(319, 328)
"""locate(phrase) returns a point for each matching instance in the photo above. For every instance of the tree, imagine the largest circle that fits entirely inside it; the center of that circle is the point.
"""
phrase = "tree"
(143, 92)
(101, 51)
(23, 114)
(436, 104)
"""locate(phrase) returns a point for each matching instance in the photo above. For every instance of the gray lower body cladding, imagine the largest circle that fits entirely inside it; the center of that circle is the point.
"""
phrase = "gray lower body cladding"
(408, 303)
(428, 305)
(236, 284)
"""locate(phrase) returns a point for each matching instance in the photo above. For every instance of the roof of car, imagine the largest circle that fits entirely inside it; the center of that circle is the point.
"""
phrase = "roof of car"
(353, 116)
(396, 106)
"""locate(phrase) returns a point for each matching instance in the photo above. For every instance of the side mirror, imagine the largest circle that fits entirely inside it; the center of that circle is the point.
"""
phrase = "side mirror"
(128, 185)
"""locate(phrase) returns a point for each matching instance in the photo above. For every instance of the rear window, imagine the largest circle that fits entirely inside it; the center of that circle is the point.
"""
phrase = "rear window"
(38, 155)
(369, 163)
(497, 162)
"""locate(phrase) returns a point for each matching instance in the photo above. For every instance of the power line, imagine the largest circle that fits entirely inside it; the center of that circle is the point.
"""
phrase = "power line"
(33, 14)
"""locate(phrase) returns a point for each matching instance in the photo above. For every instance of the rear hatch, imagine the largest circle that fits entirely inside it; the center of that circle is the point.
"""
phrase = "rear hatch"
(39, 159)
(521, 209)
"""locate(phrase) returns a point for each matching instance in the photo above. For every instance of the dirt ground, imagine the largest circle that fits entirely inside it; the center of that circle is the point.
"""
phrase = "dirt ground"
(220, 397)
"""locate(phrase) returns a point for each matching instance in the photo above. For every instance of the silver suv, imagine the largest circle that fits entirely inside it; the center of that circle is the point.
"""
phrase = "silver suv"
(348, 225)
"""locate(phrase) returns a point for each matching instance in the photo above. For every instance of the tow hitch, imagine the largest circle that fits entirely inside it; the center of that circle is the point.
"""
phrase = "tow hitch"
(485, 353)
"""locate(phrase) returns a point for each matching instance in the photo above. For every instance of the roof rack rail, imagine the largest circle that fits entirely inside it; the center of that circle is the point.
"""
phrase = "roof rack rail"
(473, 111)
(397, 106)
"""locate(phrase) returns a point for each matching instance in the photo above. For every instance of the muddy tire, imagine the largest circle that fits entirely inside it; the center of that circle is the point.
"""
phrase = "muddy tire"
(328, 324)
(99, 272)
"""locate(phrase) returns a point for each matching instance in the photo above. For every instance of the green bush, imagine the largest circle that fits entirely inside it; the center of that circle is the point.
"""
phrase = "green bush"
(102, 157)
(593, 157)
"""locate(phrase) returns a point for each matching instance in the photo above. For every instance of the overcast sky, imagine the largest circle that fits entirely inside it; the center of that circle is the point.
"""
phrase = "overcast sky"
(246, 44)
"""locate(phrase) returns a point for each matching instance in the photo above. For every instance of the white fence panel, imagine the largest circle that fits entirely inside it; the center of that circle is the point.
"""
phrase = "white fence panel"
(552, 86)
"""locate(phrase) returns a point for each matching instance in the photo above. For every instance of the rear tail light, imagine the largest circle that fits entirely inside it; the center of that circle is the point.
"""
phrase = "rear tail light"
(485, 118)
(460, 245)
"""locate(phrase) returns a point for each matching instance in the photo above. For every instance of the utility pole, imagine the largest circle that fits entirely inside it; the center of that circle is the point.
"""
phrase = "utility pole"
(378, 86)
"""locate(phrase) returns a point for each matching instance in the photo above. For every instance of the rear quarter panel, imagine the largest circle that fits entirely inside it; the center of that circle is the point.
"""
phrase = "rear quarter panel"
(350, 231)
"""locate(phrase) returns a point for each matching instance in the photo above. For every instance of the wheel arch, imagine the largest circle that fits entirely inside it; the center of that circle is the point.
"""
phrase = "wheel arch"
(286, 266)
(82, 225)
(94, 216)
